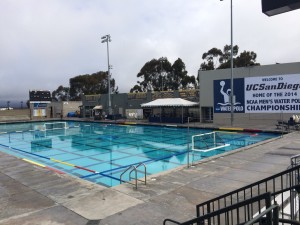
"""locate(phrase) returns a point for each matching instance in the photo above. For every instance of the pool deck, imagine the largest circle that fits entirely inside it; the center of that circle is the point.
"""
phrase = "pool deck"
(33, 195)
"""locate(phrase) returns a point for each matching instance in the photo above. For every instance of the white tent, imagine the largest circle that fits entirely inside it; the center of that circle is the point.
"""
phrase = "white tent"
(170, 102)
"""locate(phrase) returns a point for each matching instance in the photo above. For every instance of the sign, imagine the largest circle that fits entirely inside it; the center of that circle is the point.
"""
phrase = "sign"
(222, 92)
(272, 94)
(40, 105)
(39, 112)
(268, 94)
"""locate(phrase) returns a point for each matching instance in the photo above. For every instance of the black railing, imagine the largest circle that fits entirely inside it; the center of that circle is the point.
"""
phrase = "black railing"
(295, 160)
(277, 185)
(260, 209)
(239, 213)
(283, 189)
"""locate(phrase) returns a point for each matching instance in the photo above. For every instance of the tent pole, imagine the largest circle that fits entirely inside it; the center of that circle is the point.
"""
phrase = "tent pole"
(160, 115)
(182, 114)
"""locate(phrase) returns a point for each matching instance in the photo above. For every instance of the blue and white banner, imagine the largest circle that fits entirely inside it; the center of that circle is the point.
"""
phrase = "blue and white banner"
(268, 94)
(222, 92)
(272, 94)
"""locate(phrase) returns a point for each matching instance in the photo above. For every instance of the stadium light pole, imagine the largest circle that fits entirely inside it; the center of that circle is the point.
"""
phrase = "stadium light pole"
(106, 38)
(231, 67)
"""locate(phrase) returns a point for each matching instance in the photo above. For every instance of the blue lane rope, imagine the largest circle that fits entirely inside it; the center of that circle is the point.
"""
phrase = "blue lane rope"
(122, 167)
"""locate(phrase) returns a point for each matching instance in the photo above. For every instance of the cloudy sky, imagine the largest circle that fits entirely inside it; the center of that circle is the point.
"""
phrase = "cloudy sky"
(44, 43)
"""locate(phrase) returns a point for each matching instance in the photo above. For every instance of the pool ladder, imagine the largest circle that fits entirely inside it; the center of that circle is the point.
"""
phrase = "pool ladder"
(134, 169)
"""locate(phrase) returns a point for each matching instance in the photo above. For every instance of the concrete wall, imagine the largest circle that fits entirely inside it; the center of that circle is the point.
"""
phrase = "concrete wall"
(120, 103)
(15, 115)
(207, 93)
(63, 108)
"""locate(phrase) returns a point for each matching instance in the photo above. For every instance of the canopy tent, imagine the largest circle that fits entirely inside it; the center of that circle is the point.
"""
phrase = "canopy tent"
(169, 102)
(97, 112)
(98, 107)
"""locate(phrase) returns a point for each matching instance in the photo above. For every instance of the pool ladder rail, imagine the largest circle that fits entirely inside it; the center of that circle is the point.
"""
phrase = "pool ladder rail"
(135, 170)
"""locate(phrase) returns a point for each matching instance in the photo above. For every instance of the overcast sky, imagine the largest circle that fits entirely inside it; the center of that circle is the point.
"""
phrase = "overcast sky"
(44, 43)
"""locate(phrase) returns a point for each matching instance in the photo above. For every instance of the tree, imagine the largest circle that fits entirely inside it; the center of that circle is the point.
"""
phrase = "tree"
(61, 93)
(153, 74)
(88, 84)
(217, 59)
(160, 75)
(212, 58)
(246, 59)
(136, 88)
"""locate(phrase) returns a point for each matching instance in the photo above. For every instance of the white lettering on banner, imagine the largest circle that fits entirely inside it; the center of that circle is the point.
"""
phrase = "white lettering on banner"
(272, 94)
(228, 108)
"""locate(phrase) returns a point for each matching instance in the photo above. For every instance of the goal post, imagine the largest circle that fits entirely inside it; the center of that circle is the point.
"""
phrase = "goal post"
(55, 125)
(208, 142)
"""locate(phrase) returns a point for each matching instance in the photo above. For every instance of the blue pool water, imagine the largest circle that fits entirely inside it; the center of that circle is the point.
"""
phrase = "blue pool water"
(101, 152)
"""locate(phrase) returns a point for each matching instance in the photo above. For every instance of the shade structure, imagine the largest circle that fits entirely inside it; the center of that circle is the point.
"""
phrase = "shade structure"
(98, 107)
(169, 102)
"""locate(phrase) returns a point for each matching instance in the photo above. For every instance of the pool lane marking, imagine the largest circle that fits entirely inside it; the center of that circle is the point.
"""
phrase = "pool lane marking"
(55, 170)
(126, 166)
(51, 159)
(43, 166)
(83, 168)
(72, 165)
(35, 163)
(62, 162)
(231, 128)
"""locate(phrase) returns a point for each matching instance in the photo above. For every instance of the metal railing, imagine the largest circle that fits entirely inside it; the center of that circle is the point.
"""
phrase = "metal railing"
(295, 160)
(262, 209)
(283, 189)
(135, 170)
(286, 181)
(238, 213)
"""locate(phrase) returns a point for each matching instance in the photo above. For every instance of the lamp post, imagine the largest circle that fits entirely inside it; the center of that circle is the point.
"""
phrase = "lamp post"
(106, 38)
(231, 67)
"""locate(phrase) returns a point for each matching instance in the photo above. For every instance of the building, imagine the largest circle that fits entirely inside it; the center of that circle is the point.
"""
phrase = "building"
(128, 105)
(39, 101)
(262, 94)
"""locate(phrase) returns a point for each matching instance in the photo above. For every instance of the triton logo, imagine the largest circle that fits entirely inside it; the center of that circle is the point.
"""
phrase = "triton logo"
(279, 86)
(222, 96)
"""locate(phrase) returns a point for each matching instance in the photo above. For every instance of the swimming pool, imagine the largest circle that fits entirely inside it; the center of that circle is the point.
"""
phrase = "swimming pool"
(100, 152)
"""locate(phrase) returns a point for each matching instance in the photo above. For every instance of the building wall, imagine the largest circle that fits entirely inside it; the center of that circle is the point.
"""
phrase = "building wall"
(121, 103)
(207, 93)
(15, 115)
(64, 107)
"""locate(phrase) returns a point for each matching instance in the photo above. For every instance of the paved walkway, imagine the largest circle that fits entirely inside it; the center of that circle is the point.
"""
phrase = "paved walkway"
(36, 196)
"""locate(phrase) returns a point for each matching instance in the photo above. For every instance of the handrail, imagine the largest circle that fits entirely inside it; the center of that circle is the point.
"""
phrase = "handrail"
(134, 169)
(260, 216)
(145, 172)
(265, 196)
(250, 186)
(295, 160)
(170, 220)
(293, 222)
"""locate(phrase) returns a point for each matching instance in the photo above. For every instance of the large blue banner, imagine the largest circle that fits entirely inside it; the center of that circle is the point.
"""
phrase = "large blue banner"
(222, 92)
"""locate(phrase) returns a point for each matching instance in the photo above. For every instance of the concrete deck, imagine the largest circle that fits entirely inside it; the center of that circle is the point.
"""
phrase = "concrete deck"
(32, 195)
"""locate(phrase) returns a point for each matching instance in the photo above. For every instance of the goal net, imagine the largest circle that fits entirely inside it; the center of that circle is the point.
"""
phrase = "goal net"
(55, 125)
(207, 142)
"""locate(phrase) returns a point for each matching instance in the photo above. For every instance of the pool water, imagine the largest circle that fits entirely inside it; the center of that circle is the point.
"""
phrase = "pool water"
(101, 152)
